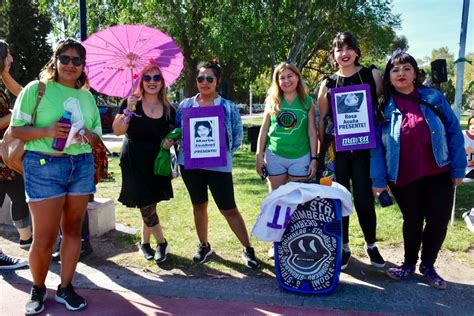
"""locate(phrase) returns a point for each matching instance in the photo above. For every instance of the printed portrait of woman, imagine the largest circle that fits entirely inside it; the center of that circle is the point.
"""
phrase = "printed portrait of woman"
(203, 130)
(349, 103)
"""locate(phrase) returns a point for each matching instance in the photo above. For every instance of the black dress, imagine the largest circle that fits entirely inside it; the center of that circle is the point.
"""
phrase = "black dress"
(140, 186)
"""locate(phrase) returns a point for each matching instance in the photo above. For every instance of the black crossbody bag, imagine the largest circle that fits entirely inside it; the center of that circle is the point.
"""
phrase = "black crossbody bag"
(432, 107)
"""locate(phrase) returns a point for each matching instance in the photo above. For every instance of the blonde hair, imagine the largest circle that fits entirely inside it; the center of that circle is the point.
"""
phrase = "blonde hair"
(161, 94)
(275, 94)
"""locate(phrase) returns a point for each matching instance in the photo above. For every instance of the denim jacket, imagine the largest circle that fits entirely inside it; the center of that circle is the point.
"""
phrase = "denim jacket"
(233, 122)
(446, 139)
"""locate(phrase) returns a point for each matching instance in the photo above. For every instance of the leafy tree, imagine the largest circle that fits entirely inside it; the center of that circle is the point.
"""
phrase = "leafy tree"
(400, 42)
(248, 36)
(30, 49)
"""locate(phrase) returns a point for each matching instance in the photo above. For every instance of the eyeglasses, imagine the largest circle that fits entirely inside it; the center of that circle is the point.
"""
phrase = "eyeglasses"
(65, 59)
(156, 78)
(209, 79)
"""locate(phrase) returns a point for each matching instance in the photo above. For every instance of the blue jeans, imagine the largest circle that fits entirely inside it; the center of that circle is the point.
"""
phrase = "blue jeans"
(49, 177)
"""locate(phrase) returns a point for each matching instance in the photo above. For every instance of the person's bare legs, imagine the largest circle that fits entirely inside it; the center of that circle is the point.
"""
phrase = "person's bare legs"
(158, 233)
(25, 233)
(274, 182)
(71, 223)
(146, 233)
(237, 224)
(201, 221)
(46, 216)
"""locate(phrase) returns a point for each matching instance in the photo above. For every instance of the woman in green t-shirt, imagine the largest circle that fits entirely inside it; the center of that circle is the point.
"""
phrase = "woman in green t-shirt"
(57, 183)
(287, 142)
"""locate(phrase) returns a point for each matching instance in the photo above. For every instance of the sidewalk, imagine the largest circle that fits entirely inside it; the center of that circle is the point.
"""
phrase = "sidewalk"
(113, 289)
(104, 302)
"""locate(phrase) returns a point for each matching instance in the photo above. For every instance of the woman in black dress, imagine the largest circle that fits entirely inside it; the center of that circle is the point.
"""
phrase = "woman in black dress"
(145, 118)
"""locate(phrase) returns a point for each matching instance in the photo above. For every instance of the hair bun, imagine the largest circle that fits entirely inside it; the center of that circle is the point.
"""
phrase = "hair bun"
(215, 61)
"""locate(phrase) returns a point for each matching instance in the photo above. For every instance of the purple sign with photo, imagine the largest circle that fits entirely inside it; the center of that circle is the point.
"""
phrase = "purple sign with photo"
(204, 137)
(353, 117)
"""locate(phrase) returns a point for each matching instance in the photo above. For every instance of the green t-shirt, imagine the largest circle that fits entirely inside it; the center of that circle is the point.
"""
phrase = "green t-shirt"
(56, 100)
(288, 132)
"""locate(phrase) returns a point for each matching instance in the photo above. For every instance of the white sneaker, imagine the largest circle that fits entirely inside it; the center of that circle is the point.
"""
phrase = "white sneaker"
(469, 219)
(271, 252)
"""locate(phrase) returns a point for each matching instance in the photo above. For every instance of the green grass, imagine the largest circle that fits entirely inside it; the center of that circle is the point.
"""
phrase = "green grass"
(177, 220)
(463, 120)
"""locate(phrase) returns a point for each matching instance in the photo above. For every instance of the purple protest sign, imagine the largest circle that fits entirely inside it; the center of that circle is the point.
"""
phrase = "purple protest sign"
(353, 117)
(204, 137)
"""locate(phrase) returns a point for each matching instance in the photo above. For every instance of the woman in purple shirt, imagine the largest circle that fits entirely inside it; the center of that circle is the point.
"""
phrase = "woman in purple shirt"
(420, 159)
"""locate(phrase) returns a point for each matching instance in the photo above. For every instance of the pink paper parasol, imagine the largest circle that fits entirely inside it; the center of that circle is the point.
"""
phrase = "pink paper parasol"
(116, 55)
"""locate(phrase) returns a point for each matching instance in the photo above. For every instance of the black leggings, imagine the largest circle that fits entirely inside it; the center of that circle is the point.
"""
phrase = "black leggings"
(15, 189)
(430, 200)
(355, 166)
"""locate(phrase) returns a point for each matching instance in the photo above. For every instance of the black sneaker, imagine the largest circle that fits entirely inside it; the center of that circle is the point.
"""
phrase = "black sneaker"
(25, 244)
(9, 263)
(250, 259)
(35, 304)
(375, 258)
(70, 298)
(86, 249)
(161, 251)
(147, 251)
(202, 253)
(346, 257)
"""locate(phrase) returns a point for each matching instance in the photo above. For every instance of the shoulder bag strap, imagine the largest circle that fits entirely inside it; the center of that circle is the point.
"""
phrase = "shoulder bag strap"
(433, 107)
(41, 91)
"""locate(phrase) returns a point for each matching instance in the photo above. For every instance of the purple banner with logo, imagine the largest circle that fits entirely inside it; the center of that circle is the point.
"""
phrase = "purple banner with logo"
(353, 117)
(204, 137)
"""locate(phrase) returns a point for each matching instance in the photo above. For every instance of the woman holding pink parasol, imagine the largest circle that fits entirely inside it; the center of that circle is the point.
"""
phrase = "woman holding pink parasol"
(145, 118)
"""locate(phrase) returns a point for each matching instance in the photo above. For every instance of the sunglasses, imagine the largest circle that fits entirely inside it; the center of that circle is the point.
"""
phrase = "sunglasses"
(156, 78)
(65, 59)
(209, 79)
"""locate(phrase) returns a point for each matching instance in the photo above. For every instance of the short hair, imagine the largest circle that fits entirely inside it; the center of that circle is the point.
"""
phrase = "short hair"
(345, 38)
(469, 123)
(214, 66)
(202, 123)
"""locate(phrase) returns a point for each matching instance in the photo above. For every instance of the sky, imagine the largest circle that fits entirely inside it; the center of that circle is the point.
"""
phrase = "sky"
(431, 24)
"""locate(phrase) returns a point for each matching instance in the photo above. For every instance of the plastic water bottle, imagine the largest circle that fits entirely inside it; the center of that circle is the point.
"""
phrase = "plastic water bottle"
(59, 143)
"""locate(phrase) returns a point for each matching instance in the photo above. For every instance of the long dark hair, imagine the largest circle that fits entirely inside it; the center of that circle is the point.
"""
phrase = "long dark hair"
(3, 54)
(345, 38)
(50, 72)
(398, 57)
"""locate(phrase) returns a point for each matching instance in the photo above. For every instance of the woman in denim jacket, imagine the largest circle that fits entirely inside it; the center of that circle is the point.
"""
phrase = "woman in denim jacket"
(218, 179)
(419, 158)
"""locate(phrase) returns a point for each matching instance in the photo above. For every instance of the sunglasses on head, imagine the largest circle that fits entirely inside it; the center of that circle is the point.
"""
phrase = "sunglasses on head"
(65, 59)
(209, 79)
(156, 78)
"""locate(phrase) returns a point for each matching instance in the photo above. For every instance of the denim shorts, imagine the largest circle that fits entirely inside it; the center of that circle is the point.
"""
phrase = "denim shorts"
(277, 165)
(49, 177)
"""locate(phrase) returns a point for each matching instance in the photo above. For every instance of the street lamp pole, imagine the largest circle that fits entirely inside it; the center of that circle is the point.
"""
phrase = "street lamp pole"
(460, 61)
(83, 19)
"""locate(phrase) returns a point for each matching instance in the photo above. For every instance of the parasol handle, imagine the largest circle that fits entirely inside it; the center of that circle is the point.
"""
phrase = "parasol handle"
(133, 86)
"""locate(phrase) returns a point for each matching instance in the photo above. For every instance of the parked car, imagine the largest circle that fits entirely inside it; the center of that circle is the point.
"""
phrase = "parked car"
(257, 108)
(243, 108)
(107, 114)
